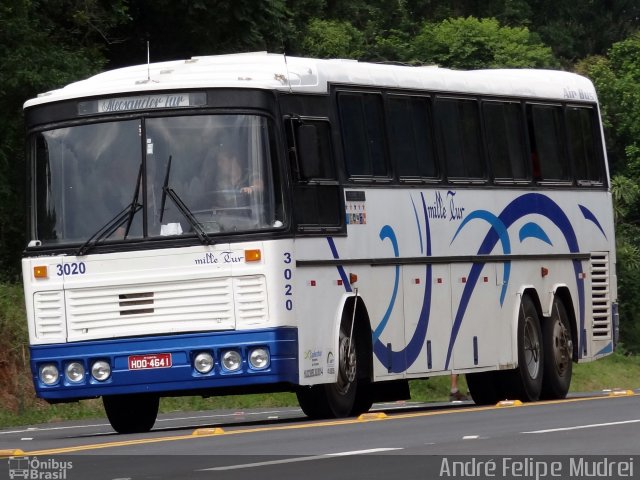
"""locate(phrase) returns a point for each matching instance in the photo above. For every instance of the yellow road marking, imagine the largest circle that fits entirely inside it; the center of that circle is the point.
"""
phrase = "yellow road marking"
(272, 428)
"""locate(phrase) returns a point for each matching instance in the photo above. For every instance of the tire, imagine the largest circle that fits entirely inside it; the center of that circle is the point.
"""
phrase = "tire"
(351, 393)
(485, 387)
(131, 413)
(558, 353)
(525, 382)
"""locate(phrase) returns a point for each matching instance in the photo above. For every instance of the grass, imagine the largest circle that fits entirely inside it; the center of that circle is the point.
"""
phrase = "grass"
(18, 405)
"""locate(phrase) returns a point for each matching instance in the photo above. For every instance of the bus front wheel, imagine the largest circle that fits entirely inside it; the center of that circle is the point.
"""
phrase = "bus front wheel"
(349, 395)
(131, 413)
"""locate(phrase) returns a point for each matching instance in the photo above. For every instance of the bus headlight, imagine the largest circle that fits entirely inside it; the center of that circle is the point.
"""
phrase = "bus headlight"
(259, 358)
(203, 362)
(101, 370)
(49, 374)
(74, 372)
(231, 361)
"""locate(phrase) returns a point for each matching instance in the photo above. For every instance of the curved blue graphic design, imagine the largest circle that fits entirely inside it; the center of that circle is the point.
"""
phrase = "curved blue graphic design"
(399, 361)
(415, 212)
(528, 204)
(341, 272)
(387, 232)
(588, 214)
(503, 235)
(533, 230)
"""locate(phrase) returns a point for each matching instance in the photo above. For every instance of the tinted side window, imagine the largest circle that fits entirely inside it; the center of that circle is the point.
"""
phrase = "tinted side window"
(410, 137)
(362, 123)
(459, 134)
(547, 143)
(503, 124)
(583, 144)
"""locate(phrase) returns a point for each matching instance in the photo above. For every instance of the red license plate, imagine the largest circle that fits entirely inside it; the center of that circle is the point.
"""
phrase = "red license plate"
(154, 360)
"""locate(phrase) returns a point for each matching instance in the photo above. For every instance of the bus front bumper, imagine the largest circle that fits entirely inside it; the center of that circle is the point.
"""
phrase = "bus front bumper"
(166, 365)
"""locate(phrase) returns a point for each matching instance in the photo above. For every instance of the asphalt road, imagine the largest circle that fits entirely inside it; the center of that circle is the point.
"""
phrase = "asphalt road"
(533, 441)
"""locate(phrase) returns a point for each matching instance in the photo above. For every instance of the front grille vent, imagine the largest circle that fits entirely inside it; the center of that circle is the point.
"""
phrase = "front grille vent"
(136, 303)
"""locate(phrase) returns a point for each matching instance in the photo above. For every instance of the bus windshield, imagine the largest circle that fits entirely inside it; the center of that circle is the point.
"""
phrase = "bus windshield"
(154, 177)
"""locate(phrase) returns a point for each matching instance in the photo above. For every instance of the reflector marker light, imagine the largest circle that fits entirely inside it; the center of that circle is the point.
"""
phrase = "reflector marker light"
(40, 271)
(544, 271)
(254, 255)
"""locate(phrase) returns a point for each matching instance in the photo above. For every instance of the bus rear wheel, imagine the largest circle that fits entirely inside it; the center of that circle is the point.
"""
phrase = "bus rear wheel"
(525, 382)
(131, 413)
(558, 353)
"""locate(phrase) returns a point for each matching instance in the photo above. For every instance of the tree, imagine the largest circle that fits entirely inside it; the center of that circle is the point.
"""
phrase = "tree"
(470, 43)
(617, 80)
(43, 45)
(332, 39)
(179, 29)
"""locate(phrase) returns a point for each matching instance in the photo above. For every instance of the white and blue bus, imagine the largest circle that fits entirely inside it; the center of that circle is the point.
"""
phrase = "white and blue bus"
(253, 223)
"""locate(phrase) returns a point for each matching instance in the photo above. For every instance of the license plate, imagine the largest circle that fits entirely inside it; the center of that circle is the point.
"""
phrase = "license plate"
(154, 360)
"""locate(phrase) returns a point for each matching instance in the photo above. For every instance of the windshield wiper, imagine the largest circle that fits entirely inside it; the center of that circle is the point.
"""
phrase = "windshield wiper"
(164, 188)
(109, 228)
(168, 191)
(197, 227)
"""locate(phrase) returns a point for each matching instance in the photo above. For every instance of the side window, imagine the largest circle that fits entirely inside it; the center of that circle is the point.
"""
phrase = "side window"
(310, 149)
(459, 135)
(410, 137)
(504, 133)
(583, 144)
(548, 155)
(361, 117)
(317, 200)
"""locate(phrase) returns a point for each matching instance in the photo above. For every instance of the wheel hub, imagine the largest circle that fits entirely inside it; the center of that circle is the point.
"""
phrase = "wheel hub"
(347, 364)
(562, 347)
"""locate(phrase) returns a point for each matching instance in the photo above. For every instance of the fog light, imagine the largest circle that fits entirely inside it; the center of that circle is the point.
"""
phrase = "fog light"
(49, 374)
(74, 372)
(231, 361)
(101, 370)
(203, 362)
(259, 358)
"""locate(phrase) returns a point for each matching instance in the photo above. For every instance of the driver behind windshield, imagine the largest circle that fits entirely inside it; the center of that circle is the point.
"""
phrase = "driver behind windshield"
(222, 183)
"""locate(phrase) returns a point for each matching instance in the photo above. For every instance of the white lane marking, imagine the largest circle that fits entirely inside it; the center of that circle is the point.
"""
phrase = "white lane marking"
(471, 437)
(174, 419)
(362, 452)
(580, 427)
(298, 459)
